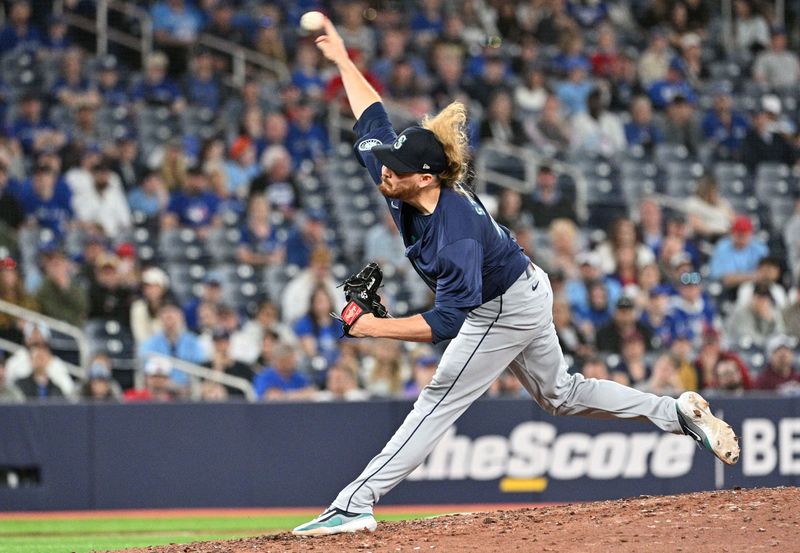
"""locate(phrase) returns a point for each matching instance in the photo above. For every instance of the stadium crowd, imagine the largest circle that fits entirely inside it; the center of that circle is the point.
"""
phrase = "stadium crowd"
(167, 214)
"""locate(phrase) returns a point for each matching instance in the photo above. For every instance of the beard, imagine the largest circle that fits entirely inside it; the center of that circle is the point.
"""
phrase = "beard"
(398, 190)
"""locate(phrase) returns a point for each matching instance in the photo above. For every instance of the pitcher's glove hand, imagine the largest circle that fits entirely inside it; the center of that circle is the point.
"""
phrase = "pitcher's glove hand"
(361, 293)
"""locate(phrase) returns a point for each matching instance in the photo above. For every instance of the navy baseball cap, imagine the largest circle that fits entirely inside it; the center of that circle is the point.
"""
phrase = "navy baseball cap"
(415, 150)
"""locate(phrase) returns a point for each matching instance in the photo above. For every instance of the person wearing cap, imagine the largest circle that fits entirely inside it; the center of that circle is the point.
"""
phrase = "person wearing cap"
(158, 386)
(422, 373)
(98, 384)
(110, 87)
(691, 310)
(282, 380)
(767, 139)
(609, 337)
(109, 298)
(60, 295)
(222, 360)
(194, 205)
(12, 290)
(47, 201)
(546, 202)
(781, 372)
(751, 324)
(682, 125)
(144, 310)
(768, 272)
(241, 166)
(777, 67)
(491, 301)
(735, 257)
(31, 127)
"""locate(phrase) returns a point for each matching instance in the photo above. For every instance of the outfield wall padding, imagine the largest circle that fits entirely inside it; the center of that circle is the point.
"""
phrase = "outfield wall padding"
(291, 454)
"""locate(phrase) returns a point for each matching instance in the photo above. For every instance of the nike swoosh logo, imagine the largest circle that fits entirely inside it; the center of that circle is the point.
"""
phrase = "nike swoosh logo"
(535, 287)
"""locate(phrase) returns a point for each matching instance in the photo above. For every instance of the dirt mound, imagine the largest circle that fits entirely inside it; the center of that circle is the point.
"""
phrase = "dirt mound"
(733, 520)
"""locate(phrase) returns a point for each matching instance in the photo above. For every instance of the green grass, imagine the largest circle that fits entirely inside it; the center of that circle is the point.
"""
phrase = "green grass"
(85, 535)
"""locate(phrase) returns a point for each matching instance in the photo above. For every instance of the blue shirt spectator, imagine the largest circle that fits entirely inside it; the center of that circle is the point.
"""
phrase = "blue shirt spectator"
(663, 91)
(47, 200)
(177, 20)
(193, 205)
(691, 311)
(725, 128)
(587, 14)
(736, 257)
(18, 33)
(573, 92)
(156, 89)
(307, 140)
(282, 379)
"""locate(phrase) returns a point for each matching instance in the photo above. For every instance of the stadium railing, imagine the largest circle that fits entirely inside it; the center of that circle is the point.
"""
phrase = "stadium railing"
(198, 373)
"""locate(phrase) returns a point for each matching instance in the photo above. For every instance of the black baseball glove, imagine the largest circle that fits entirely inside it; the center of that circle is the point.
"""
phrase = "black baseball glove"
(361, 293)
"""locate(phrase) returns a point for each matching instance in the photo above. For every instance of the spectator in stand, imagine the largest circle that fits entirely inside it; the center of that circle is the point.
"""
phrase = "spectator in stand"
(13, 291)
(574, 91)
(306, 74)
(777, 67)
(655, 318)
(448, 76)
(427, 22)
(110, 88)
(173, 340)
(571, 54)
(499, 122)
(210, 295)
(690, 59)
(261, 243)
(768, 272)
(766, 140)
(9, 393)
(651, 227)
(282, 380)
(156, 89)
(626, 270)
(691, 311)
(176, 26)
(246, 343)
(610, 336)
(547, 203)
(39, 385)
(384, 371)
(750, 29)
(682, 348)
(663, 93)
(723, 128)
(334, 89)
(422, 372)
(589, 272)
(19, 365)
(664, 380)
(605, 55)
(633, 362)
(550, 131)
(60, 296)
(573, 340)
(531, 94)
(383, 243)
(791, 239)
(223, 23)
(241, 166)
(297, 294)
(622, 234)
(595, 367)
(753, 323)
(193, 205)
(306, 139)
(269, 40)
(677, 231)
(552, 22)
(12, 215)
(203, 89)
(597, 131)
(681, 126)
(110, 298)
(306, 237)
(353, 28)
(144, 310)
(780, 374)
(728, 379)
(32, 129)
(19, 33)
(642, 129)
(564, 248)
(341, 384)
(72, 89)
(491, 80)
(276, 180)
(151, 197)
(158, 386)
(222, 361)
(654, 61)
(598, 309)
(100, 202)
(99, 386)
(710, 214)
(736, 256)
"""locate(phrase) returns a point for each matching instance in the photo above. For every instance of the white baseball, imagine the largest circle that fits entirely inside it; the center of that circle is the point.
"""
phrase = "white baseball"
(312, 21)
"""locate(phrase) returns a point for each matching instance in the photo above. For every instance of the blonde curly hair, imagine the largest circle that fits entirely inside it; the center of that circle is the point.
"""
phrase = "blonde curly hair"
(450, 128)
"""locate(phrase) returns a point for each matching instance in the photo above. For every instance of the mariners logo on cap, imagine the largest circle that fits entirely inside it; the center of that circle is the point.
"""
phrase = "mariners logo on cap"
(400, 141)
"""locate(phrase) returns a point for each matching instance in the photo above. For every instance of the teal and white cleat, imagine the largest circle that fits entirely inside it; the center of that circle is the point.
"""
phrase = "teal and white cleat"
(707, 430)
(336, 521)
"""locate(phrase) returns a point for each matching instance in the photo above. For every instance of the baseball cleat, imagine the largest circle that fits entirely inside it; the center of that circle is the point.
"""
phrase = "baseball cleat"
(707, 430)
(336, 521)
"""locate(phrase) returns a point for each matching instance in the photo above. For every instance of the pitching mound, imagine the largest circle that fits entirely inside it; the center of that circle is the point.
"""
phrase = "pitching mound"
(735, 520)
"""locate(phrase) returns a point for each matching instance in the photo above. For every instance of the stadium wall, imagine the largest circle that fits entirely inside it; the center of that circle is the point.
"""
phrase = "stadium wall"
(55, 457)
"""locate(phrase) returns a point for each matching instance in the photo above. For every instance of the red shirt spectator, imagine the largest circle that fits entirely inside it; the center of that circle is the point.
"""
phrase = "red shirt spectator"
(780, 373)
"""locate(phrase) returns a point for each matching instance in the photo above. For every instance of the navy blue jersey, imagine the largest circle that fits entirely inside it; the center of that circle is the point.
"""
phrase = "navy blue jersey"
(459, 250)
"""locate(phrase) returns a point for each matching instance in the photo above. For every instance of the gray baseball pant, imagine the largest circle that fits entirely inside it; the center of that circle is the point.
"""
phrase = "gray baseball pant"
(514, 330)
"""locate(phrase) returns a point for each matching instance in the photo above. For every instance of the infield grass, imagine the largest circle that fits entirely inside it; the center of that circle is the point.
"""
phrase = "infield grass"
(107, 534)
